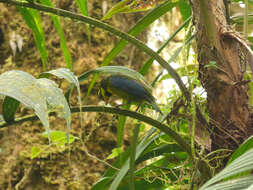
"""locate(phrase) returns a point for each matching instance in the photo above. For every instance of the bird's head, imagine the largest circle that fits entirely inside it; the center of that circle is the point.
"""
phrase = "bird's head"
(103, 93)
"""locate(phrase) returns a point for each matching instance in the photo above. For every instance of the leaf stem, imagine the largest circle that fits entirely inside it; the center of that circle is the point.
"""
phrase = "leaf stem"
(158, 125)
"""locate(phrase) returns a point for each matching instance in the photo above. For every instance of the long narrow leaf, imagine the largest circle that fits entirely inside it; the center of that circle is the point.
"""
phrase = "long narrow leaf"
(237, 184)
(248, 144)
(185, 9)
(242, 164)
(58, 27)
(132, 155)
(124, 169)
(82, 4)
(116, 9)
(108, 176)
(121, 126)
(129, 6)
(32, 19)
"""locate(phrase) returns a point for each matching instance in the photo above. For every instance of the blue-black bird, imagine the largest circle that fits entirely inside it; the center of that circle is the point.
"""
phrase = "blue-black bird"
(128, 89)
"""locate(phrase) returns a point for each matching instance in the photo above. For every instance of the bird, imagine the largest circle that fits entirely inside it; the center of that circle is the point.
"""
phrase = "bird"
(127, 88)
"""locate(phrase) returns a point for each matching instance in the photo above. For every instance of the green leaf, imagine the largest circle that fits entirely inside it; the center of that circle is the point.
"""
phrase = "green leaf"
(237, 184)
(32, 19)
(59, 137)
(185, 9)
(82, 4)
(9, 108)
(181, 71)
(42, 95)
(121, 126)
(145, 185)
(115, 152)
(71, 78)
(102, 183)
(247, 145)
(164, 162)
(124, 169)
(212, 64)
(134, 143)
(130, 6)
(124, 162)
(242, 164)
(35, 152)
(55, 100)
(160, 150)
(24, 88)
(119, 7)
(58, 27)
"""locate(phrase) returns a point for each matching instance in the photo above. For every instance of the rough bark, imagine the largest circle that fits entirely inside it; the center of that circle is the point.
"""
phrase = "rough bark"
(227, 91)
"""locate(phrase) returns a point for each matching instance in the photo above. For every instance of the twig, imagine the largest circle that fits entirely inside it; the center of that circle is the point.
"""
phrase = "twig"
(162, 127)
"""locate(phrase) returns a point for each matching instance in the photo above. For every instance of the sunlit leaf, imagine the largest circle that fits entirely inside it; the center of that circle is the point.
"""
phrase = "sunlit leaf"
(71, 78)
(22, 87)
(115, 152)
(42, 95)
(35, 152)
(124, 169)
(59, 137)
(55, 100)
(130, 6)
(212, 64)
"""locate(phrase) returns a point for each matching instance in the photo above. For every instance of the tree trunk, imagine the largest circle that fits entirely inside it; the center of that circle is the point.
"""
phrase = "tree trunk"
(222, 56)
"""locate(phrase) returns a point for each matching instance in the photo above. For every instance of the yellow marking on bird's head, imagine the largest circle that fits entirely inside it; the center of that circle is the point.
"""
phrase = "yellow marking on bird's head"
(102, 95)
(109, 90)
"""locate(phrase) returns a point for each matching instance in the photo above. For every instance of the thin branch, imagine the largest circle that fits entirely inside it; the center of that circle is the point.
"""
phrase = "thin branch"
(96, 158)
(104, 26)
(162, 127)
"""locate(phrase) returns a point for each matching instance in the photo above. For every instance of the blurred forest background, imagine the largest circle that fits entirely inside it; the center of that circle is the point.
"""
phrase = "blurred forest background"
(162, 164)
